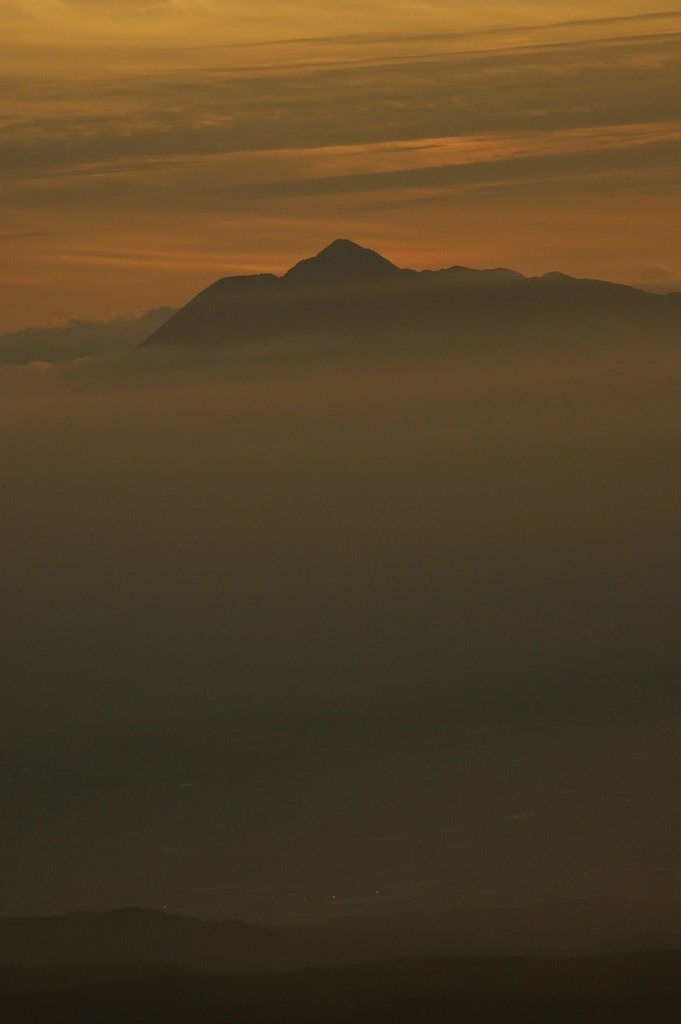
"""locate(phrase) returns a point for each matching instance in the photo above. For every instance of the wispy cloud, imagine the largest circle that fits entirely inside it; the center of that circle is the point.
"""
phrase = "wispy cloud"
(265, 133)
(425, 96)
(78, 339)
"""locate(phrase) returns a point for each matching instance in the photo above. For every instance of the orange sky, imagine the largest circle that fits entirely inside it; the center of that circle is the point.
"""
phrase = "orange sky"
(150, 146)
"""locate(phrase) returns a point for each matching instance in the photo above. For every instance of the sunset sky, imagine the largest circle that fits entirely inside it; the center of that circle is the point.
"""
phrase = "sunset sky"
(150, 147)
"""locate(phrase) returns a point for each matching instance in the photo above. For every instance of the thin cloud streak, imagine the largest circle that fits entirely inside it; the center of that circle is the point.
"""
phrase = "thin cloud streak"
(624, 158)
(163, 159)
(381, 167)
(431, 97)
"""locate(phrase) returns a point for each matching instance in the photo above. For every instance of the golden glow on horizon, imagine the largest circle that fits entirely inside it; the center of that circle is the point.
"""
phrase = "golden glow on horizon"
(182, 140)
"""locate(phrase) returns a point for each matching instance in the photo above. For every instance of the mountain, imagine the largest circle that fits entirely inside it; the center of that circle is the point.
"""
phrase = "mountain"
(136, 964)
(344, 260)
(352, 293)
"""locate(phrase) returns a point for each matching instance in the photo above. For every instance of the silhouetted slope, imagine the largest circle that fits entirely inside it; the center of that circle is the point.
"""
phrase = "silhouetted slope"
(353, 293)
(235, 307)
(140, 965)
(344, 260)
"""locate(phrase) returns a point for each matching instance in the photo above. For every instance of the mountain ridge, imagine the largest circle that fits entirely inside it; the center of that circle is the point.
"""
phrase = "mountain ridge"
(136, 934)
(352, 292)
(622, 987)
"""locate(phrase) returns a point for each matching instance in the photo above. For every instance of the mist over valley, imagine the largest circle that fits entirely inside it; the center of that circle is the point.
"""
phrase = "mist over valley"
(296, 621)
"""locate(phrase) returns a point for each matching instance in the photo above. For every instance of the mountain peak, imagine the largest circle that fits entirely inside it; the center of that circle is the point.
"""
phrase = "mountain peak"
(342, 259)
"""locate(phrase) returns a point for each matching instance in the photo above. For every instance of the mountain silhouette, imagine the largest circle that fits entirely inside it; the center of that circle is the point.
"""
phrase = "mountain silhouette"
(342, 259)
(355, 294)
(625, 988)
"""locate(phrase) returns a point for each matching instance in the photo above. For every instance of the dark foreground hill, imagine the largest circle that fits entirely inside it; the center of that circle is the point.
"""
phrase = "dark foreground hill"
(123, 939)
(623, 989)
(140, 965)
(354, 294)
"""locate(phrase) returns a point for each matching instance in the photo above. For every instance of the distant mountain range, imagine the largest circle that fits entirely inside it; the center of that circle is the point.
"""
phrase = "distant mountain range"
(136, 935)
(356, 294)
(139, 965)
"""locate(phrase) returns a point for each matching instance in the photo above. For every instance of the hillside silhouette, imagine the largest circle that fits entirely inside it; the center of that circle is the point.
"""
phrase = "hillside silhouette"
(139, 964)
(623, 989)
(353, 292)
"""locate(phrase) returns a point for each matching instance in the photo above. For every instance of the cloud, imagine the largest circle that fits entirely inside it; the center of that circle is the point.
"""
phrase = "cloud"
(78, 339)
(666, 16)
(621, 159)
(656, 273)
(659, 278)
(630, 158)
(212, 111)
(172, 149)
